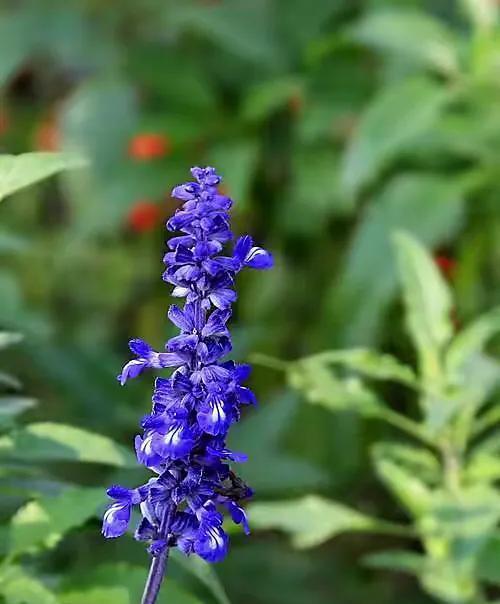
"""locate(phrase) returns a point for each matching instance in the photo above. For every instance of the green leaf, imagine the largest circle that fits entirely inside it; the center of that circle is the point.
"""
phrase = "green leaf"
(415, 460)
(237, 159)
(97, 121)
(396, 115)
(266, 97)
(467, 519)
(9, 381)
(240, 28)
(59, 442)
(371, 364)
(17, 587)
(19, 171)
(10, 406)
(309, 521)
(270, 467)
(396, 560)
(42, 523)
(470, 341)
(428, 302)
(9, 338)
(204, 572)
(12, 243)
(431, 206)
(483, 466)
(488, 568)
(314, 191)
(120, 576)
(97, 595)
(413, 35)
(320, 386)
(483, 13)
(405, 485)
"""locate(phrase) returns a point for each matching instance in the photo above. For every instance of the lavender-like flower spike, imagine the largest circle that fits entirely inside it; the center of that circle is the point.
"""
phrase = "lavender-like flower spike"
(184, 437)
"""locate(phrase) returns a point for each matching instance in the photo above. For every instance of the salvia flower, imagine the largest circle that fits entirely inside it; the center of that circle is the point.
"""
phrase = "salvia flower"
(183, 440)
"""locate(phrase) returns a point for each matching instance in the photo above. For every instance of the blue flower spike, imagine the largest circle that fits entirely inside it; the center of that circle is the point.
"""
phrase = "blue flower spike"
(184, 437)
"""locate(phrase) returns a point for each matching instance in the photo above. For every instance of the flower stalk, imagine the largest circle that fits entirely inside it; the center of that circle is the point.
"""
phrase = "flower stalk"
(183, 441)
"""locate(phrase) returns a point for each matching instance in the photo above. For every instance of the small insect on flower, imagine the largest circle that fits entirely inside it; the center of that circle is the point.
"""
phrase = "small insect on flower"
(184, 437)
(147, 146)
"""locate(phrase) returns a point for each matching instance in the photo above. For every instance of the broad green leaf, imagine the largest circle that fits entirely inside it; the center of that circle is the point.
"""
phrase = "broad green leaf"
(97, 121)
(412, 493)
(301, 24)
(204, 572)
(266, 97)
(466, 520)
(415, 460)
(9, 381)
(447, 582)
(14, 312)
(320, 386)
(427, 300)
(396, 560)
(19, 171)
(97, 595)
(42, 523)
(17, 587)
(241, 28)
(483, 466)
(8, 338)
(16, 42)
(413, 35)
(488, 568)
(313, 195)
(10, 406)
(395, 116)
(127, 578)
(459, 524)
(270, 467)
(430, 206)
(370, 363)
(59, 442)
(309, 521)
(13, 243)
(470, 341)
(483, 13)
(237, 160)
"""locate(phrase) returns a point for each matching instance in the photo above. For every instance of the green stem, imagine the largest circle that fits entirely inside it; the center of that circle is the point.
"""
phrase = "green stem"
(406, 425)
(384, 527)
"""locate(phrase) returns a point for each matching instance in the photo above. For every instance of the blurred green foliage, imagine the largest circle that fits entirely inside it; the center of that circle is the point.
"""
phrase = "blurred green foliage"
(447, 486)
(335, 123)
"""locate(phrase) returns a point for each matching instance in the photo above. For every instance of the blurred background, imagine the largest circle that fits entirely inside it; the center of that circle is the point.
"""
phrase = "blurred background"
(333, 122)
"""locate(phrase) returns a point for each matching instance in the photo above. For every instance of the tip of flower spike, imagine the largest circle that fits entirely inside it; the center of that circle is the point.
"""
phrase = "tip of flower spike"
(206, 176)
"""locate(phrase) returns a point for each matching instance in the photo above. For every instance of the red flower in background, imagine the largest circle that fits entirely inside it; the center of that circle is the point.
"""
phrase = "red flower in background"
(148, 146)
(446, 264)
(4, 121)
(296, 103)
(47, 136)
(144, 216)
